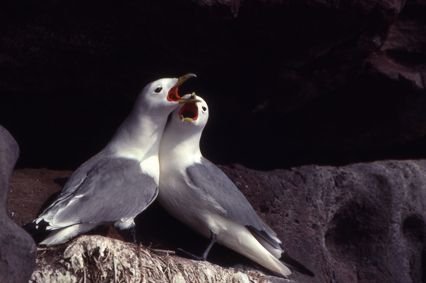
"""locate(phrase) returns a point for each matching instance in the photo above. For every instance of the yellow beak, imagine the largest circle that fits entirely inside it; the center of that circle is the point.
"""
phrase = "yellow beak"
(187, 119)
(184, 78)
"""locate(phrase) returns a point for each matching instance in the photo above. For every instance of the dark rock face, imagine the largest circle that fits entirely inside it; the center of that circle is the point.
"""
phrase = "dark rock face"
(358, 223)
(307, 81)
(17, 249)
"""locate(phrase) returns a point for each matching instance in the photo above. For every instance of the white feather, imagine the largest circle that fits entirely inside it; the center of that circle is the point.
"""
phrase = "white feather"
(63, 235)
(179, 149)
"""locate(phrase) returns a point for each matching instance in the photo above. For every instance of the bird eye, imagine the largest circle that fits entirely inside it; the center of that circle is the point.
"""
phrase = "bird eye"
(158, 89)
(204, 108)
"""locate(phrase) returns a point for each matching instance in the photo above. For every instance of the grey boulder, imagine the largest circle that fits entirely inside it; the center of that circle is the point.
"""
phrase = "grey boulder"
(17, 249)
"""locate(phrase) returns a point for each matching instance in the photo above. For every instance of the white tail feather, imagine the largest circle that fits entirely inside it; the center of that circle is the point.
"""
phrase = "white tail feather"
(63, 235)
(241, 240)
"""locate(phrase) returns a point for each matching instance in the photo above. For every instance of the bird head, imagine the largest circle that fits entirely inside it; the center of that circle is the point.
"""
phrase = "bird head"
(193, 112)
(164, 93)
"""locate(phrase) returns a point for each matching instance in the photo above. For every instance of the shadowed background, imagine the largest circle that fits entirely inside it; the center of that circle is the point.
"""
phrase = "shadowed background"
(288, 82)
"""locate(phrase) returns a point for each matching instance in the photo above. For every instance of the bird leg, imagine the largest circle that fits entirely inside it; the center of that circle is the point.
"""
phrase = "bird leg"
(209, 247)
(129, 234)
(133, 234)
(183, 253)
(205, 253)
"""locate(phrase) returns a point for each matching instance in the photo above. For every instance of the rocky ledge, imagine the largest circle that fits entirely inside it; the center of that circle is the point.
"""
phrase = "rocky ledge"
(357, 223)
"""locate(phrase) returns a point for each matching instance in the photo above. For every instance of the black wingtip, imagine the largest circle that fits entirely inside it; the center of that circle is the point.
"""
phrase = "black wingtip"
(37, 231)
(294, 264)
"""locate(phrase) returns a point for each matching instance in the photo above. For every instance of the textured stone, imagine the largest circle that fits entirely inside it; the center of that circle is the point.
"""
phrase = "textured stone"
(358, 223)
(17, 249)
(402, 55)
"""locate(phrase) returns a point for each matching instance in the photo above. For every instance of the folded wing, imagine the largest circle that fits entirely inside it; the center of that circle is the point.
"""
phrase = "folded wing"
(110, 189)
(233, 205)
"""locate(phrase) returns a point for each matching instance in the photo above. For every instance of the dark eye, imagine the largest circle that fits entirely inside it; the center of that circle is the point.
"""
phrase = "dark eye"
(204, 108)
(158, 89)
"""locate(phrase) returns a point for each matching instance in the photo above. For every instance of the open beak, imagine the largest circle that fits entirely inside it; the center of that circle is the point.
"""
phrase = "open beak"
(188, 112)
(173, 94)
(184, 78)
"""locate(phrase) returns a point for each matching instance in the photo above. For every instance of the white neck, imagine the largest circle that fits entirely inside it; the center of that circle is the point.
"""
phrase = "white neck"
(180, 147)
(139, 135)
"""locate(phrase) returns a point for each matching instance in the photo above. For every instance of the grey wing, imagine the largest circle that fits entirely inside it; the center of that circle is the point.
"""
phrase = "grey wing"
(214, 184)
(113, 189)
(77, 177)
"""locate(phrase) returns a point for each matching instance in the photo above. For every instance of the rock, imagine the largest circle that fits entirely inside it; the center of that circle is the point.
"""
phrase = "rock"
(32, 190)
(100, 259)
(357, 223)
(17, 256)
(401, 56)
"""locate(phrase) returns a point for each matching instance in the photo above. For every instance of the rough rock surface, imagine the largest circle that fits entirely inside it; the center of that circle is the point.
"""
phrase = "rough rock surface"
(17, 249)
(357, 223)
(308, 81)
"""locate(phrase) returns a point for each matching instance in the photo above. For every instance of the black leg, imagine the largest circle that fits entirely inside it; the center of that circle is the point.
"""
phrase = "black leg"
(133, 234)
(209, 247)
(183, 253)
(206, 252)
(129, 234)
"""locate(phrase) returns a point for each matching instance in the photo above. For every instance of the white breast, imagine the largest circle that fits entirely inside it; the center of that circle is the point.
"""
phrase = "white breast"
(151, 167)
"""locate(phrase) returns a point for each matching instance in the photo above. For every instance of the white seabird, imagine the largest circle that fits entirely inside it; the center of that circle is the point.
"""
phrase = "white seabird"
(199, 194)
(121, 181)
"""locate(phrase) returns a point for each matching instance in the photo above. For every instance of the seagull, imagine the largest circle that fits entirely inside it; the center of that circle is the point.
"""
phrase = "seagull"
(199, 194)
(120, 181)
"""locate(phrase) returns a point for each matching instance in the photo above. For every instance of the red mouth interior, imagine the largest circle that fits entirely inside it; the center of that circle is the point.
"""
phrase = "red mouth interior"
(173, 94)
(189, 110)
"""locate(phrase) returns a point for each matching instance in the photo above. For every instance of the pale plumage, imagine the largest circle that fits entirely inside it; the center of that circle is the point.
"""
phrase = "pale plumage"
(199, 194)
(121, 181)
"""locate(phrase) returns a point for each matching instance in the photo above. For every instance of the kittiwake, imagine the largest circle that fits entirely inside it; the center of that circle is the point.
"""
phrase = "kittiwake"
(121, 181)
(199, 194)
